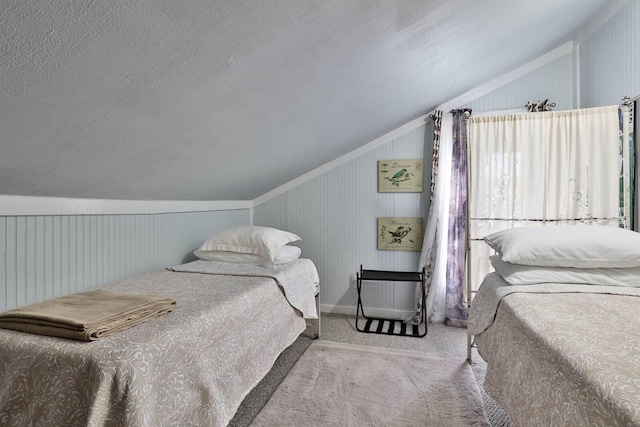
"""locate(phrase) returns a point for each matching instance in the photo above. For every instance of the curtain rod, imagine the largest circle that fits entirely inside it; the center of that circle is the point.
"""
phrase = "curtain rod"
(627, 100)
(463, 110)
(467, 111)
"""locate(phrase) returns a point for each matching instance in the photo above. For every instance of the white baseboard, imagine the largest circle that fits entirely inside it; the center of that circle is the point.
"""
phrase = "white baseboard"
(371, 312)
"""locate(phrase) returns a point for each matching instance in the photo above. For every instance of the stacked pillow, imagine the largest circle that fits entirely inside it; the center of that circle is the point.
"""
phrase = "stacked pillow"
(584, 254)
(265, 246)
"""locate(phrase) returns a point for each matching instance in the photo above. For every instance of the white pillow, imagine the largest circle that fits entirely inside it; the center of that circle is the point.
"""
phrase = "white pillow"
(580, 246)
(515, 274)
(263, 241)
(285, 255)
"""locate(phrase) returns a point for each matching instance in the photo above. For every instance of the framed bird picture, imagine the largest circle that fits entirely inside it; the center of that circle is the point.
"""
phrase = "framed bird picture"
(400, 176)
(400, 234)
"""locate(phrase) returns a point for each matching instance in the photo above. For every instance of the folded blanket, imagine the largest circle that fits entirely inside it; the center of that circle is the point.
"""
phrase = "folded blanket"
(86, 316)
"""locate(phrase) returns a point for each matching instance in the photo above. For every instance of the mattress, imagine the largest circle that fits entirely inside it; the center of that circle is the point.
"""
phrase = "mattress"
(193, 366)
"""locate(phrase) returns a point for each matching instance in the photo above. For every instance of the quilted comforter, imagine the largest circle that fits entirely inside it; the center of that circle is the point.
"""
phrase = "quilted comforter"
(558, 354)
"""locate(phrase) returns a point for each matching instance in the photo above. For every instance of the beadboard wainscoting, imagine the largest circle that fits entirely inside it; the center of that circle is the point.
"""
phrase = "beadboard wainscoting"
(47, 256)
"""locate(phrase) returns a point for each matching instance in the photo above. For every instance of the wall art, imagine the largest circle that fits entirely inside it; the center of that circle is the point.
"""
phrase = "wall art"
(401, 176)
(400, 234)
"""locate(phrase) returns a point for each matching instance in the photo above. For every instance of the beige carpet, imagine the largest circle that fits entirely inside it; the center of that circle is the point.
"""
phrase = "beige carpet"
(337, 384)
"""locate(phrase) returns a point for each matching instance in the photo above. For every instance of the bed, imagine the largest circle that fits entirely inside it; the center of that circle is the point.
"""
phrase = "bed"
(193, 366)
(562, 341)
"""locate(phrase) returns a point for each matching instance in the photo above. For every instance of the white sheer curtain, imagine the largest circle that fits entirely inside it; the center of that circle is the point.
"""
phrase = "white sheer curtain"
(436, 234)
(538, 168)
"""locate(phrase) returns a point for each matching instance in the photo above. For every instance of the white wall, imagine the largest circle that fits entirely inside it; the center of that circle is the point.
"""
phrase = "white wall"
(336, 216)
(553, 81)
(609, 64)
(344, 201)
(609, 59)
(46, 256)
(335, 213)
(42, 256)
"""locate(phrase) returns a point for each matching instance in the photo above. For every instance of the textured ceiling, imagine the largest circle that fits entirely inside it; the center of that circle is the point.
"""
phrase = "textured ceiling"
(221, 100)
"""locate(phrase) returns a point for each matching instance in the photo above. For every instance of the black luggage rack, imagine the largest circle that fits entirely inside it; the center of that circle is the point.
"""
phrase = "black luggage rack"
(391, 326)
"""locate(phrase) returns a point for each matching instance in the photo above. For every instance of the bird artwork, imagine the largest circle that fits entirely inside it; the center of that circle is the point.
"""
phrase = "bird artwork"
(399, 234)
(398, 177)
(404, 175)
(402, 234)
(399, 174)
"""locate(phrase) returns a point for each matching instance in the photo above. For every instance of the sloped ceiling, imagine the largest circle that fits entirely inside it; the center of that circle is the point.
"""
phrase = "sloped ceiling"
(229, 99)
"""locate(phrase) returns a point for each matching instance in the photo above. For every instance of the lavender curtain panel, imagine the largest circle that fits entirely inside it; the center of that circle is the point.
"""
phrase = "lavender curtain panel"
(455, 308)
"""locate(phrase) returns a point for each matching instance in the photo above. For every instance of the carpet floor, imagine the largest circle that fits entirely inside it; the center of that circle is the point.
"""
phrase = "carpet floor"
(337, 384)
(440, 340)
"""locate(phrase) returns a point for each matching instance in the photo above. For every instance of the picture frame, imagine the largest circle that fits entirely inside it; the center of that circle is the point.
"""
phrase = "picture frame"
(400, 234)
(400, 176)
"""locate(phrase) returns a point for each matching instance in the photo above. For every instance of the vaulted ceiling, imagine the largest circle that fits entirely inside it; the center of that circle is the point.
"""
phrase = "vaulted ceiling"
(229, 99)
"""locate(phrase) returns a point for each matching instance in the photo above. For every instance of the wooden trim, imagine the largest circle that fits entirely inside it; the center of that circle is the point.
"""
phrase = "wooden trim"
(407, 127)
(35, 206)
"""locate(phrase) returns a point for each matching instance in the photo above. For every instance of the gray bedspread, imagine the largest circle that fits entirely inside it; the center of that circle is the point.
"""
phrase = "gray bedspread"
(192, 367)
(561, 358)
